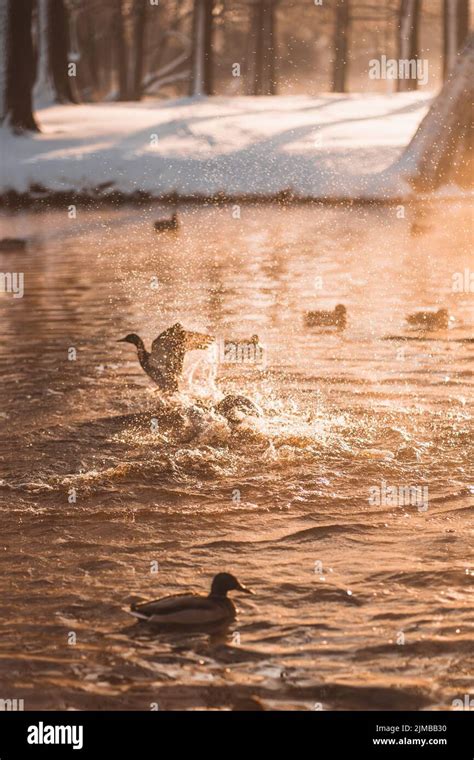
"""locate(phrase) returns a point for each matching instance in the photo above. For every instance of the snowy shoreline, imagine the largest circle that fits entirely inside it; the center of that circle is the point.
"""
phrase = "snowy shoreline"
(331, 148)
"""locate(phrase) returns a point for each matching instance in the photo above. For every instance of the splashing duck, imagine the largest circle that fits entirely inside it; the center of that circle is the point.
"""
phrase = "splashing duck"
(193, 609)
(335, 318)
(164, 363)
(429, 320)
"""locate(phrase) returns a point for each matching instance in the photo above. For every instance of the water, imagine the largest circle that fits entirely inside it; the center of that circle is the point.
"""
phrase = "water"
(358, 605)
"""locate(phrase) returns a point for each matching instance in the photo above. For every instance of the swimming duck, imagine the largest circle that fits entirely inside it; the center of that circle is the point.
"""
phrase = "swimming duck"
(167, 225)
(429, 320)
(193, 609)
(12, 244)
(336, 318)
(164, 363)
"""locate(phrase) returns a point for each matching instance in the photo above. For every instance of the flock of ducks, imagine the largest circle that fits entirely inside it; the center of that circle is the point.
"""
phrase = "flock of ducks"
(164, 365)
(422, 320)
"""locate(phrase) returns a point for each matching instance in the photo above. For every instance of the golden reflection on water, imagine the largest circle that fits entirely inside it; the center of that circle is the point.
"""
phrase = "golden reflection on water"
(269, 498)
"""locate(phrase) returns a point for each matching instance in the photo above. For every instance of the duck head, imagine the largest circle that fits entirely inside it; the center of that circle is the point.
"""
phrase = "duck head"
(131, 338)
(340, 310)
(224, 582)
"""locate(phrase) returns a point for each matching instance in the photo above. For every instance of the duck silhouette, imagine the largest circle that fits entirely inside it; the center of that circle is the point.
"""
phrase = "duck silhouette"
(193, 609)
(336, 318)
(164, 363)
(236, 407)
(167, 225)
(12, 244)
(429, 320)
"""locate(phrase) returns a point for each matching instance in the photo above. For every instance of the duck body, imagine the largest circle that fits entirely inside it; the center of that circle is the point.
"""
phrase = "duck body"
(335, 318)
(164, 363)
(12, 244)
(235, 407)
(186, 610)
(193, 609)
(167, 225)
(429, 320)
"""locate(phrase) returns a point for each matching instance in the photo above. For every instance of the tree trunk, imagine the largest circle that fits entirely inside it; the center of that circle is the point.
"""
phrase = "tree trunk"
(261, 68)
(202, 57)
(90, 57)
(441, 150)
(455, 29)
(270, 35)
(341, 34)
(53, 85)
(20, 67)
(43, 92)
(59, 44)
(408, 25)
(138, 40)
(120, 51)
(3, 57)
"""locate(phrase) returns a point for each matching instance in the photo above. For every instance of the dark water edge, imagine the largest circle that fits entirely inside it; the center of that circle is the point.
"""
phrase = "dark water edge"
(45, 200)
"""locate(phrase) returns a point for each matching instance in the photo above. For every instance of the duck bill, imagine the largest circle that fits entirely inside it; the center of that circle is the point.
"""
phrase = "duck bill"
(246, 590)
(121, 340)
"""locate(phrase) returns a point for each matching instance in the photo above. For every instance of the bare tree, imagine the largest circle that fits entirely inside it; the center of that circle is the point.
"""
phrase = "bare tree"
(441, 150)
(18, 65)
(408, 25)
(455, 29)
(120, 50)
(341, 40)
(59, 44)
(202, 57)
(137, 48)
(262, 38)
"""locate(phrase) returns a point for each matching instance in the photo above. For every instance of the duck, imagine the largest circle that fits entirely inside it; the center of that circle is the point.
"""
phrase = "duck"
(164, 363)
(429, 320)
(235, 408)
(336, 318)
(167, 225)
(193, 609)
(12, 244)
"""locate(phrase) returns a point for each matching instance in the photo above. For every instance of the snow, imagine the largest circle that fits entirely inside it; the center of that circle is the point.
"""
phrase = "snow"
(333, 146)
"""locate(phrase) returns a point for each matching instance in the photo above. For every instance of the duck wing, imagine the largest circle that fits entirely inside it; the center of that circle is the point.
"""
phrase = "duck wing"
(196, 340)
(182, 609)
(167, 354)
(169, 348)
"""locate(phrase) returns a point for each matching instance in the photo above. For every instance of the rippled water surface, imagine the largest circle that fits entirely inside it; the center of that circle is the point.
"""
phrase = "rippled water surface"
(358, 605)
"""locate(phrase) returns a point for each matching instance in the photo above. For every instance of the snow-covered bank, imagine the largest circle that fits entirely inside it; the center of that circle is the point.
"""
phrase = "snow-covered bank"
(333, 146)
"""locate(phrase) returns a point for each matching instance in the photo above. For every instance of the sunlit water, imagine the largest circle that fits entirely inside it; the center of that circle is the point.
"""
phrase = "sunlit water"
(358, 605)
